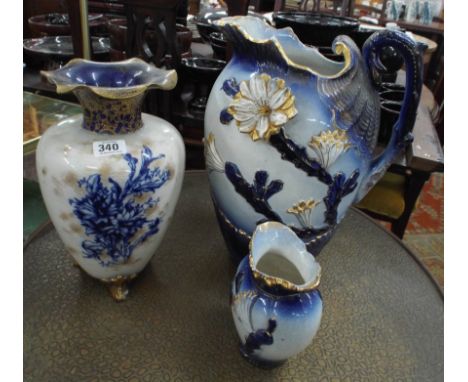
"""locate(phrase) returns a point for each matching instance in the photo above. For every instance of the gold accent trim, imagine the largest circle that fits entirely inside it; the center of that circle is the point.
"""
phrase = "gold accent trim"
(272, 281)
(329, 145)
(262, 107)
(302, 210)
(232, 226)
(243, 295)
(118, 286)
(245, 234)
(169, 81)
(214, 162)
(336, 138)
(85, 28)
(303, 206)
(341, 48)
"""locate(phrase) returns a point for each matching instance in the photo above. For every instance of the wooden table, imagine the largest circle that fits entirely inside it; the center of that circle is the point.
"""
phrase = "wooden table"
(422, 157)
(425, 152)
(432, 28)
(382, 321)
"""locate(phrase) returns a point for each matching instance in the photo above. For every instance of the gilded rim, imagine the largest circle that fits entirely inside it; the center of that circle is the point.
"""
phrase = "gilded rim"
(340, 48)
(272, 281)
(169, 80)
(249, 237)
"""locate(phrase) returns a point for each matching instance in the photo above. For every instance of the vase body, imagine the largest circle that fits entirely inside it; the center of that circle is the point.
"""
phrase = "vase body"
(275, 303)
(290, 135)
(111, 205)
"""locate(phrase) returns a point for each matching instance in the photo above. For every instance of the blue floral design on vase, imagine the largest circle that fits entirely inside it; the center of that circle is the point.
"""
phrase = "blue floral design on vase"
(111, 215)
(112, 175)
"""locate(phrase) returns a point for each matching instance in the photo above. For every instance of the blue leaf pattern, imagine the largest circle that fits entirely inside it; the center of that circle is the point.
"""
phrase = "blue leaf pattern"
(112, 217)
(231, 87)
(225, 117)
(258, 193)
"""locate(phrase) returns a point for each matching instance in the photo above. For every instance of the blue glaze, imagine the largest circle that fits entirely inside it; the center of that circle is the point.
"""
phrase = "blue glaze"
(111, 216)
(121, 74)
(225, 117)
(257, 193)
(111, 93)
(273, 323)
(230, 87)
(336, 115)
(258, 338)
(298, 156)
(282, 304)
(340, 187)
(109, 116)
(401, 133)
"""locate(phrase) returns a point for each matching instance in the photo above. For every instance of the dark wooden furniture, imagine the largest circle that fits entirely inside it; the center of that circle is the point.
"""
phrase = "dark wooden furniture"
(435, 32)
(113, 7)
(74, 13)
(237, 7)
(337, 7)
(163, 19)
(387, 192)
(39, 7)
(378, 12)
(423, 157)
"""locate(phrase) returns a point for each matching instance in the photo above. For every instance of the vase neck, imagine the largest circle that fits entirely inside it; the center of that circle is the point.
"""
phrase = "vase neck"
(110, 116)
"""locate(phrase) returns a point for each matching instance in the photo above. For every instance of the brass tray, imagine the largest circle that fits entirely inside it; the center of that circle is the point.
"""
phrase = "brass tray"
(383, 314)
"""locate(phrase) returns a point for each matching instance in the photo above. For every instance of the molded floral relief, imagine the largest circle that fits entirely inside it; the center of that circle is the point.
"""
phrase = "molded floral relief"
(329, 145)
(262, 106)
(212, 157)
(303, 211)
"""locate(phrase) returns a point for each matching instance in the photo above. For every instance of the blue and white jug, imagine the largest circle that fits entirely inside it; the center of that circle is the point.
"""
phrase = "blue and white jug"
(275, 302)
(290, 134)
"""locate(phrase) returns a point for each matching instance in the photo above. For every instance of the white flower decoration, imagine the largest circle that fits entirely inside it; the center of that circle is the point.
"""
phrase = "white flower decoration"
(213, 160)
(329, 145)
(262, 106)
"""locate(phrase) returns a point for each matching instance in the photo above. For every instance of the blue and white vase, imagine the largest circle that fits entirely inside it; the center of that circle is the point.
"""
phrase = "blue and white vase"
(275, 302)
(111, 177)
(290, 134)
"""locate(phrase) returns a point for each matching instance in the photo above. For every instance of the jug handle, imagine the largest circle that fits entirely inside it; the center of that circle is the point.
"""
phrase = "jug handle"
(401, 132)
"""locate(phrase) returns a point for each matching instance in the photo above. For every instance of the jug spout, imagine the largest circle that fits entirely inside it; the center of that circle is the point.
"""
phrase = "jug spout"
(280, 262)
(275, 303)
(270, 48)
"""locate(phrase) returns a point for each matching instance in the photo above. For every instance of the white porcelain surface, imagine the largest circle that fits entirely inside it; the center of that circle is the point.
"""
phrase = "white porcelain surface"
(290, 135)
(65, 156)
(276, 323)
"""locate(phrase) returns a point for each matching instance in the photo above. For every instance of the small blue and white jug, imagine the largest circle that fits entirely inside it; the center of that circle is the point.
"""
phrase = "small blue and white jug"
(275, 302)
(290, 134)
